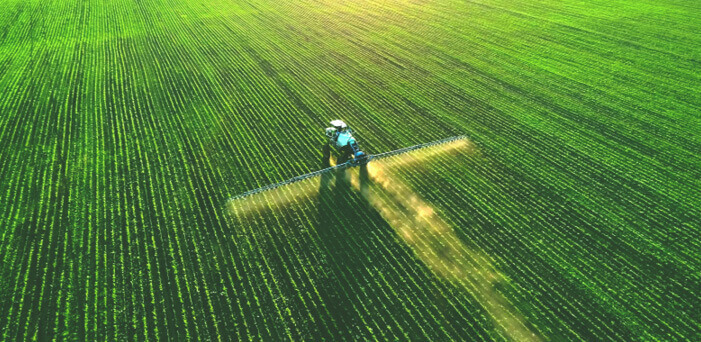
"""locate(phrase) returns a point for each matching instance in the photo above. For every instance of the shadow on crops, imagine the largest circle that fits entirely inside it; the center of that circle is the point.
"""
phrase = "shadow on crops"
(332, 206)
(343, 219)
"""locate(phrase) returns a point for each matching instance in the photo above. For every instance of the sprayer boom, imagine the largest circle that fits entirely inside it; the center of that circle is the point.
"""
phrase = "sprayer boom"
(348, 164)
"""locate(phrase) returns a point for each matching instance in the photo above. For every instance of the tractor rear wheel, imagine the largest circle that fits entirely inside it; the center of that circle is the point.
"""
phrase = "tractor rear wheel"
(344, 156)
(325, 156)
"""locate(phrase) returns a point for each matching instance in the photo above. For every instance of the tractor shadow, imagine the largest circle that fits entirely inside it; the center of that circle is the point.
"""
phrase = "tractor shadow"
(345, 227)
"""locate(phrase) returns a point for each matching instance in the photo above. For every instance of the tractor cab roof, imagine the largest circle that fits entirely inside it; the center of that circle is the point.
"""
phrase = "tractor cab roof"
(338, 124)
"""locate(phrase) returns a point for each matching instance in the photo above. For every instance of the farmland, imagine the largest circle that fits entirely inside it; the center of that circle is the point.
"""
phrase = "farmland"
(571, 212)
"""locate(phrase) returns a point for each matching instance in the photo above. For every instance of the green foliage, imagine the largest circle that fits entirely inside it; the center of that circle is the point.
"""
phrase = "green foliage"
(125, 126)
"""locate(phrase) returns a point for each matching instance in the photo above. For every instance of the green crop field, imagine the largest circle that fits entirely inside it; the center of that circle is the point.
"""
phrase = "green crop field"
(572, 210)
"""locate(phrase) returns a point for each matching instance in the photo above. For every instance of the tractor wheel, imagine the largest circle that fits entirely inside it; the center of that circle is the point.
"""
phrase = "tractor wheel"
(344, 156)
(326, 156)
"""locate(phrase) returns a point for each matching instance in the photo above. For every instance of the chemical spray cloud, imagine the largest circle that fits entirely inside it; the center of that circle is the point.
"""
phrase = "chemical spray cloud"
(284, 196)
(434, 242)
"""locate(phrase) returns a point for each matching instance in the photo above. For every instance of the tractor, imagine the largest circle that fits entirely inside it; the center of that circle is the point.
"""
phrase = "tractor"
(340, 137)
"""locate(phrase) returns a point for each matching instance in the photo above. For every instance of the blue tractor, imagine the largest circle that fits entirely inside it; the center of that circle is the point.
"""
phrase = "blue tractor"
(340, 136)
